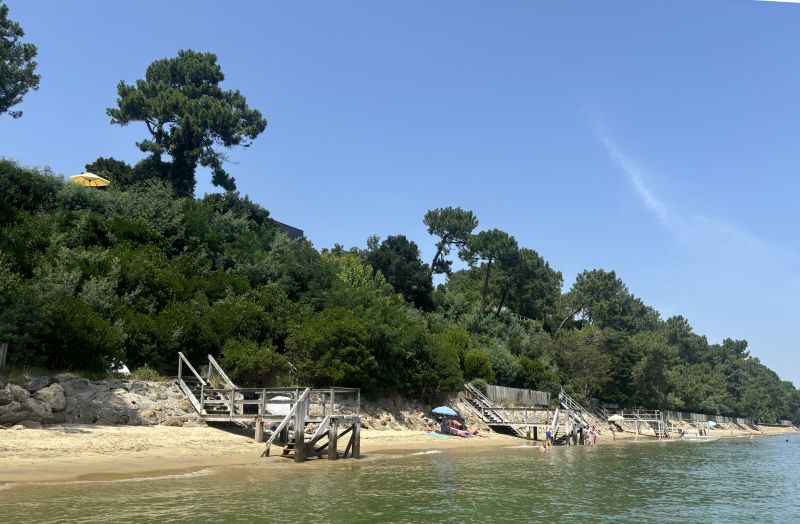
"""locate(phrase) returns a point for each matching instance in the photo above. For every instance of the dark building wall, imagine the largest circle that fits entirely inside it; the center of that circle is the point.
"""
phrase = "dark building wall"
(289, 231)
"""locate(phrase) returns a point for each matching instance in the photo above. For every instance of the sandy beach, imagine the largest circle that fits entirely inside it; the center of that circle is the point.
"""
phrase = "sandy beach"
(89, 452)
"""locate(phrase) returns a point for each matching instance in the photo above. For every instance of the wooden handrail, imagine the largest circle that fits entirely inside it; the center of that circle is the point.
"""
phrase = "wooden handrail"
(301, 400)
(181, 360)
(213, 363)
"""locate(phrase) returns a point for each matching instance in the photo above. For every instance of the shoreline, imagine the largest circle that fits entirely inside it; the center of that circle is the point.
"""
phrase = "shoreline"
(107, 453)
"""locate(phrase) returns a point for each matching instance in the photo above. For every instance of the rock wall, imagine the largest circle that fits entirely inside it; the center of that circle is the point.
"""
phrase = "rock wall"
(69, 399)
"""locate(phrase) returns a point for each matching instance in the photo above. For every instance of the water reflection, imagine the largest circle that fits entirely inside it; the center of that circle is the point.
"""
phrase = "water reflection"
(732, 481)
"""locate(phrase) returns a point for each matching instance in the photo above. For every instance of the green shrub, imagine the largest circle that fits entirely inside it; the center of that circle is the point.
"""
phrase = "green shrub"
(147, 373)
(481, 384)
(249, 364)
(478, 365)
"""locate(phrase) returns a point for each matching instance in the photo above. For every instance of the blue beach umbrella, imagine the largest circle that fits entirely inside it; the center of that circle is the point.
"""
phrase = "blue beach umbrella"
(445, 411)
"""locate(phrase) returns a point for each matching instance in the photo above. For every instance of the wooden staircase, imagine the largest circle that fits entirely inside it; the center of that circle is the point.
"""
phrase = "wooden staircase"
(489, 413)
(217, 399)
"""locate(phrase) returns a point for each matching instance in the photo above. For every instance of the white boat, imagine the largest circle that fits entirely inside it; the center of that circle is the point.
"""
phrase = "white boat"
(699, 438)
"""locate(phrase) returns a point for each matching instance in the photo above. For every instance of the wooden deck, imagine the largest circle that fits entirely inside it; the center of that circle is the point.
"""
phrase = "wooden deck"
(309, 422)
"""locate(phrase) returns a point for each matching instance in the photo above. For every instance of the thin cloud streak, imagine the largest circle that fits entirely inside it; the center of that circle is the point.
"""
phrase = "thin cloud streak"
(690, 229)
(636, 177)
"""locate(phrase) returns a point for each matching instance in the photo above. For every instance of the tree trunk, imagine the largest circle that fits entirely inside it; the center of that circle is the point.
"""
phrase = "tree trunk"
(486, 282)
(555, 336)
(502, 301)
(182, 174)
(439, 248)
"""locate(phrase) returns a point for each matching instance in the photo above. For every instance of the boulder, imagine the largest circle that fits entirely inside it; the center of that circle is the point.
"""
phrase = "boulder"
(17, 427)
(113, 414)
(173, 421)
(53, 395)
(149, 416)
(30, 424)
(5, 397)
(78, 386)
(40, 410)
(10, 407)
(37, 384)
(15, 417)
(119, 384)
(80, 409)
(58, 417)
(17, 392)
(194, 422)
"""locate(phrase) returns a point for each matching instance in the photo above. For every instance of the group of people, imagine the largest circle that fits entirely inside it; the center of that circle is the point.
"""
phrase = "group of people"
(578, 434)
(454, 426)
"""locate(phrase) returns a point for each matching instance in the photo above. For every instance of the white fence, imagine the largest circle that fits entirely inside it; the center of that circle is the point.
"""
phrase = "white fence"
(525, 397)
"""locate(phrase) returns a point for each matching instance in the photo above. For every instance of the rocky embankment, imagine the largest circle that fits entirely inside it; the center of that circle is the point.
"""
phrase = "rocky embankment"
(67, 399)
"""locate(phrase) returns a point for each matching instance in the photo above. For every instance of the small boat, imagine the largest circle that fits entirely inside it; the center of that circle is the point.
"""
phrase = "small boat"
(699, 438)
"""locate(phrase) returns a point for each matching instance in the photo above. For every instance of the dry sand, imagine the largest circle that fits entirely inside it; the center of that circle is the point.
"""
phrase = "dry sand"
(88, 452)
(92, 452)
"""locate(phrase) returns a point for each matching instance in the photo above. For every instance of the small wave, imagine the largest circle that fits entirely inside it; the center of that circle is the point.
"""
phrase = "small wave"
(4, 487)
(526, 446)
(429, 452)
(174, 476)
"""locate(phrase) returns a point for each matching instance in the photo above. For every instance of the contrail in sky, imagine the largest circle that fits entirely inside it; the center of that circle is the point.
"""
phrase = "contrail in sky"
(636, 177)
(781, 1)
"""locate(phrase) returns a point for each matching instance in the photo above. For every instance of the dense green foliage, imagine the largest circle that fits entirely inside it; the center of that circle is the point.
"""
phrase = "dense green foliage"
(17, 67)
(135, 274)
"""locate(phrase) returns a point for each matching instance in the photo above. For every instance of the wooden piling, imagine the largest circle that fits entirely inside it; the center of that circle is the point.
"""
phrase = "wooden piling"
(299, 433)
(259, 438)
(333, 438)
(357, 440)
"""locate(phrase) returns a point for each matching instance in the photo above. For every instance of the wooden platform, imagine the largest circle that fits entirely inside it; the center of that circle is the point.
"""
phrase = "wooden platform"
(285, 415)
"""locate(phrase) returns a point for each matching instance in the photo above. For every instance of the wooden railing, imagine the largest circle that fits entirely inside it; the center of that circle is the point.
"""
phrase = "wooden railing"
(297, 411)
(197, 403)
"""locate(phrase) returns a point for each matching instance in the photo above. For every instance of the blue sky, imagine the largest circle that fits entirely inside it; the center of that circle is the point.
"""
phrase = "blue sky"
(657, 139)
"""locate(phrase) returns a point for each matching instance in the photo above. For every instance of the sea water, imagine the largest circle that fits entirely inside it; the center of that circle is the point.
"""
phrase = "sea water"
(731, 480)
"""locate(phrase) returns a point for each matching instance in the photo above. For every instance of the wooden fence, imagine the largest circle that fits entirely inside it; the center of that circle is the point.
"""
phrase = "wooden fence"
(702, 417)
(525, 397)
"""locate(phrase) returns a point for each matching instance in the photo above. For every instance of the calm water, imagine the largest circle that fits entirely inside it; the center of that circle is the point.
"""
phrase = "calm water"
(725, 481)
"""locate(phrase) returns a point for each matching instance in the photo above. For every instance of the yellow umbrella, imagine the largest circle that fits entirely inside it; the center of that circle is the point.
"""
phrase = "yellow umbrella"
(90, 180)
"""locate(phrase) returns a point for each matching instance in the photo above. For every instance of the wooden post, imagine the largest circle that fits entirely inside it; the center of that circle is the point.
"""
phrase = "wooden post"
(262, 408)
(333, 437)
(535, 432)
(357, 440)
(259, 430)
(299, 432)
